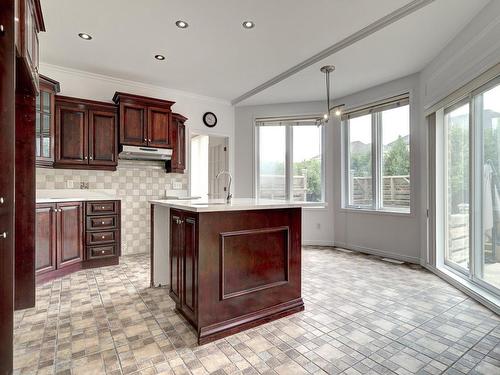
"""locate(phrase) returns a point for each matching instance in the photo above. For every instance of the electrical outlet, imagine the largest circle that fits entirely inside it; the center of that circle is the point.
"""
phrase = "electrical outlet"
(177, 185)
(69, 184)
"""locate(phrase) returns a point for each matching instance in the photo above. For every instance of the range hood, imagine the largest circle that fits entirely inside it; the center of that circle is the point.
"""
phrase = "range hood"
(145, 153)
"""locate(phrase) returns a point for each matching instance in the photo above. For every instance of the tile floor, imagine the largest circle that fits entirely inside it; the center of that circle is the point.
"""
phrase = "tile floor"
(363, 316)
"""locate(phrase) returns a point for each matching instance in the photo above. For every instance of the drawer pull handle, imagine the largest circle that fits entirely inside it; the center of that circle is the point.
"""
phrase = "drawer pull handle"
(102, 207)
(102, 252)
(103, 237)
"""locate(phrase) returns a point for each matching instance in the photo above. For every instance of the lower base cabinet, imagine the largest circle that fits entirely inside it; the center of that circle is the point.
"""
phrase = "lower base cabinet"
(66, 243)
(184, 262)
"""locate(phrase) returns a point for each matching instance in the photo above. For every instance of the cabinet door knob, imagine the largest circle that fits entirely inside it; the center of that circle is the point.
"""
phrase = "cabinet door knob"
(85, 158)
(102, 252)
(91, 158)
(103, 237)
(102, 222)
(2, 200)
(3, 235)
(145, 139)
(149, 140)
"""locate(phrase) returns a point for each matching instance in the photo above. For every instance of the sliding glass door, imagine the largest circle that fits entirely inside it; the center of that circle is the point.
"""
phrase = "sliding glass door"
(470, 187)
(457, 242)
(487, 121)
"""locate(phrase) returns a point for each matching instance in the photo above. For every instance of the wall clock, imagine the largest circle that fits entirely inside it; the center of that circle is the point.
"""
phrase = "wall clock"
(209, 119)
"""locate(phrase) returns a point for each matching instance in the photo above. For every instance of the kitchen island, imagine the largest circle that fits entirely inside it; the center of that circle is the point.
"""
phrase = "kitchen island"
(229, 267)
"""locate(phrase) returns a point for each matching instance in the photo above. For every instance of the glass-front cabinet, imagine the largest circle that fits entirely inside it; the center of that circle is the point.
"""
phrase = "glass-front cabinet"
(44, 126)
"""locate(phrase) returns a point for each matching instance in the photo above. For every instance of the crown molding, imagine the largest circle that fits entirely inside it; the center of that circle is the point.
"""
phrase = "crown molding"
(372, 28)
(132, 84)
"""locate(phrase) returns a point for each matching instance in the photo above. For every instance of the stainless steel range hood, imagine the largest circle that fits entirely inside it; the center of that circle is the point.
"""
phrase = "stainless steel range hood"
(145, 153)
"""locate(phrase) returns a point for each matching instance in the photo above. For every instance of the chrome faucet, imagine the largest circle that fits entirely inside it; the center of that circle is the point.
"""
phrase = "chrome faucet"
(229, 195)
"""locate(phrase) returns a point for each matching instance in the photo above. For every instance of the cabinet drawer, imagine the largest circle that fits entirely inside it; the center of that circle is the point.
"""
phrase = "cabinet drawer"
(95, 238)
(102, 222)
(101, 208)
(101, 251)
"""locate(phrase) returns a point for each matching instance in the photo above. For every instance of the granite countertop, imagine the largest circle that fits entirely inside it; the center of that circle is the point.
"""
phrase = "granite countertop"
(75, 195)
(237, 204)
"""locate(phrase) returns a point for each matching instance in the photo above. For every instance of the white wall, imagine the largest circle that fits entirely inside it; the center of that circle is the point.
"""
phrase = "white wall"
(474, 50)
(245, 160)
(386, 234)
(86, 85)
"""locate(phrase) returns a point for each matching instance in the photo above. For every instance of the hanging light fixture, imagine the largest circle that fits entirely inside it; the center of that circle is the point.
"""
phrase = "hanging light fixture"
(327, 69)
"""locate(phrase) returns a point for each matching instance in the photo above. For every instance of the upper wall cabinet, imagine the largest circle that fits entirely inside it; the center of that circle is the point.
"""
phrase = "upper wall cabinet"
(45, 122)
(178, 137)
(144, 121)
(85, 134)
(29, 23)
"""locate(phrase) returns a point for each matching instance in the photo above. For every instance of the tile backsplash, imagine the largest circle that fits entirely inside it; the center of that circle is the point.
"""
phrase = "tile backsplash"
(135, 182)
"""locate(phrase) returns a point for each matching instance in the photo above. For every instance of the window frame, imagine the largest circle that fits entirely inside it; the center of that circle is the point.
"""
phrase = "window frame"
(475, 190)
(289, 154)
(375, 110)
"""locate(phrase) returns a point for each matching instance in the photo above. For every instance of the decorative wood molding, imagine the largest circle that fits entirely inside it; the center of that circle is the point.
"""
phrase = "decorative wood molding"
(225, 235)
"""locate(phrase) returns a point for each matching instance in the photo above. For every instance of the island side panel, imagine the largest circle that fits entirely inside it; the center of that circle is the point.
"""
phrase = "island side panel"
(160, 242)
(249, 269)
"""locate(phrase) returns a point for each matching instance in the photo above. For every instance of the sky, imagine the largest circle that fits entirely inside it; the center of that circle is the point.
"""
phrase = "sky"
(395, 123)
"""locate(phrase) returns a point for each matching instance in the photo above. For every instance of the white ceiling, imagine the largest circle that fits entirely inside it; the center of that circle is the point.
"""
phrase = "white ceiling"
(216, 57)
(400, 49)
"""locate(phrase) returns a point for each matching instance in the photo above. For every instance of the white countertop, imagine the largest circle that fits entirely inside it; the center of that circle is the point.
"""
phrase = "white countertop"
(237, 204)
(75, 195)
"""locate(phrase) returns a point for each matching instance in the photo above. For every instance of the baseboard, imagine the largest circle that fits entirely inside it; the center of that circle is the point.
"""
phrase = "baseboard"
(317, 243)
(381, 253)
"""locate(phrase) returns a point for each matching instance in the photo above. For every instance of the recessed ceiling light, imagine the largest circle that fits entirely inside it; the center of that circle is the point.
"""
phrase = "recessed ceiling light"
(182, 24)
(85, 36)
(160, 57)
(248, 25)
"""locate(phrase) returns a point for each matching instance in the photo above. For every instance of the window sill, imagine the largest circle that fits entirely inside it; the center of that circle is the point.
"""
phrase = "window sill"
(322, 206)
(377, 212)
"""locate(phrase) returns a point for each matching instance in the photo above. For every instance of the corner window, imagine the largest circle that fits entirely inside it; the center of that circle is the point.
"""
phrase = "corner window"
(377, 156)
(290, 160)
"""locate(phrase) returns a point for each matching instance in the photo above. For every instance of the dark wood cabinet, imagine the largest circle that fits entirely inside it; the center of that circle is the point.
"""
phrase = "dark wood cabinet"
(133, 125)
(69, 233)
(45, 240)
(184, 261)
(103, 143)
(75, 235)
(59, 231)
(144, 121)
(102, 229)
(29, 23)
(178, 135)
(85, 134)
(45, 122)
(72, 134)
(232, 270)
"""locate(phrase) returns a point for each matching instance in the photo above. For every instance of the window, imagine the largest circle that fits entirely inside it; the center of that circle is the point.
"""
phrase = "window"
(377, 156)
(468, 154)
(456, 122)
(290, 160)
